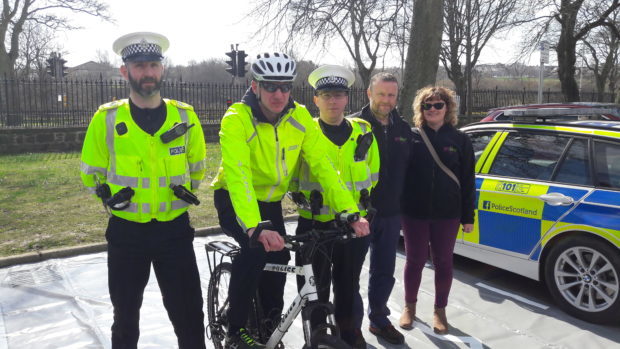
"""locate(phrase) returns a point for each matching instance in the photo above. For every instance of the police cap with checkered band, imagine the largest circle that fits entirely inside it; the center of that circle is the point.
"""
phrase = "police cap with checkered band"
(141, 47)
(332, 78)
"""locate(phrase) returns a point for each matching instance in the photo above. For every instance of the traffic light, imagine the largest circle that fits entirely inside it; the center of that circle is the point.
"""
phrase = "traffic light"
(241, 63)
(62, 69)
(51, 65)
(232, 62)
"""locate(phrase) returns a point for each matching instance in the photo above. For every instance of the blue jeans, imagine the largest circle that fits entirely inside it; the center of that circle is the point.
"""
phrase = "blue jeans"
(384, 237)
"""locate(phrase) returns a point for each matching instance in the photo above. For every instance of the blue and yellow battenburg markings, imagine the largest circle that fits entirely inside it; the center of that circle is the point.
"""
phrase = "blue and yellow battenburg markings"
(511, 216)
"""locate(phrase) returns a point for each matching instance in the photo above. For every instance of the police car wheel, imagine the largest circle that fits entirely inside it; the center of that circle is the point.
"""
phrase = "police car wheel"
(583, 276)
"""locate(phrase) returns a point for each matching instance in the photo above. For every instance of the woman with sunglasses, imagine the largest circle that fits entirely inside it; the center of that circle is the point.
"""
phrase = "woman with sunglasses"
(438, 196)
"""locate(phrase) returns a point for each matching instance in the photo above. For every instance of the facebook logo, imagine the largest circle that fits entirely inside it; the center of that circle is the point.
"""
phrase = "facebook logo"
(486, 205)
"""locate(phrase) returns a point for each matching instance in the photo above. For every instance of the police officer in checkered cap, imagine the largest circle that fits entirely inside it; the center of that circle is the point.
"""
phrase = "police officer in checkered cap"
(142, 156)
(354, 153)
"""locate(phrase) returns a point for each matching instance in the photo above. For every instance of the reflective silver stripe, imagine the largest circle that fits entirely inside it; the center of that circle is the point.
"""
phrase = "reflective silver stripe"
(87, 169)
(146, 183)
(123, 181)
(183, 114)
(185, 119)
(349, 186)
(374, 176)
(363, 184)
(146, 208)
(110, 120)
(296, 124)
(162, 207)
(178, 180)
(197, 166)
(252, 136)
(162, 182)
(177, 204)
(363, 127)
(306, 185)
(245, 229)
(133, 208)
(195, 183)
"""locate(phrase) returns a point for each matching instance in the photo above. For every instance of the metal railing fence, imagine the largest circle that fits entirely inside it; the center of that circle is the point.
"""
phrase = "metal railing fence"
(65, 103)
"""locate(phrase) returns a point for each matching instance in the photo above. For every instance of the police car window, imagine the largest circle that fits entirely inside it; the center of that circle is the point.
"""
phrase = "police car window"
(528, 155)
(479, 141)
(574, 168)
(607, 164)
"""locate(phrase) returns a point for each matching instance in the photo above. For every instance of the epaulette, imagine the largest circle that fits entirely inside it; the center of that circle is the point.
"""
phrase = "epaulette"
(179, 104)
(113, 104)
(359, 121)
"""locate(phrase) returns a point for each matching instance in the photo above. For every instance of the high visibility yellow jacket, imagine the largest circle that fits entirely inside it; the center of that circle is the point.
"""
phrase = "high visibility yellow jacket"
(357, 175)
(127, 156)
(258, 160)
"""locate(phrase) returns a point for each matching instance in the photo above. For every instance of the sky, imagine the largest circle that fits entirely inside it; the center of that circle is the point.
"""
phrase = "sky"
(199, 30)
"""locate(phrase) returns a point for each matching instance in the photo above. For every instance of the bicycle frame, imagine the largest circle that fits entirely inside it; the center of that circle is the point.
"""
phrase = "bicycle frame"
(308, 293)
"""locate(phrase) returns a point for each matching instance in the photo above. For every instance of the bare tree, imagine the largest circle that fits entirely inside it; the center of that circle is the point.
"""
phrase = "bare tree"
(469, 25)
(35, 47)
(423, 53)
(364, 27)
(565, 24)
(603, 47)
(16, 15)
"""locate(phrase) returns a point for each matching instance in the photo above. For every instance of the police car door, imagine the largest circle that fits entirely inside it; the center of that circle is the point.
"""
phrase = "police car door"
(517, 200)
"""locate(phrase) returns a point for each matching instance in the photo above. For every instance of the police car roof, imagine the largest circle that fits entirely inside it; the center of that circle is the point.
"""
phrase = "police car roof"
(559, 113)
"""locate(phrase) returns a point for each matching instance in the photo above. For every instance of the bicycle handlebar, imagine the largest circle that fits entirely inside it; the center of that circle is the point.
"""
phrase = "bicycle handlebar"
(342, 229)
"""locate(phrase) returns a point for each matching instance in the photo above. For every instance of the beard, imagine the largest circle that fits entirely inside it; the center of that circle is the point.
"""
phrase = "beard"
(136, 85)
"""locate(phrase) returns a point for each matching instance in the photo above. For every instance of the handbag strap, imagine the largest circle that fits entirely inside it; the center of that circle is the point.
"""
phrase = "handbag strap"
(431, 150)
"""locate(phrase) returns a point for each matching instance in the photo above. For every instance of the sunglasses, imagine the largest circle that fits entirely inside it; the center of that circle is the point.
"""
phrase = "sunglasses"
(428, 106)
(271, 87)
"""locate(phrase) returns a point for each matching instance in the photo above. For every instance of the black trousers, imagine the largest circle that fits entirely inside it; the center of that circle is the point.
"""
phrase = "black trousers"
(132, 249)
(338, 263)
(247, 268)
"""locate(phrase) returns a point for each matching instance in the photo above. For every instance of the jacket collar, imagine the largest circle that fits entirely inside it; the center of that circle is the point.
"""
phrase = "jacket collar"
(367, 115)
(251, 100)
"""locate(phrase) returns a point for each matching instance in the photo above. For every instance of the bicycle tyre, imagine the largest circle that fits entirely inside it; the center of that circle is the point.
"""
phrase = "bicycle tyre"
(332, 342)
(217, 303)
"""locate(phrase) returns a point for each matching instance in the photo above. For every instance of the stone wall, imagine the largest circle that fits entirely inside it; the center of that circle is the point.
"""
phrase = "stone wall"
(18, 141)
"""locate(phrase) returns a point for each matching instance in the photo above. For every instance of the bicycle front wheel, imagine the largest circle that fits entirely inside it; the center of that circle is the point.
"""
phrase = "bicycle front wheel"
(217, 303)
(332, 342)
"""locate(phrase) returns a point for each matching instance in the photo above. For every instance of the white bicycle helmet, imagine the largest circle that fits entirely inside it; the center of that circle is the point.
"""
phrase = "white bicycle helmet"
(274, 66)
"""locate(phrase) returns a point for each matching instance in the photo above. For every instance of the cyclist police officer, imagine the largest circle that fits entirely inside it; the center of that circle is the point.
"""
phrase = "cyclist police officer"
(354, 151)
(139, 155)
(262, 138)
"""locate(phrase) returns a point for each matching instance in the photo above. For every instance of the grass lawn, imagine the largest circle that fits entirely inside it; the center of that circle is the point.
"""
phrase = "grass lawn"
(43, 204)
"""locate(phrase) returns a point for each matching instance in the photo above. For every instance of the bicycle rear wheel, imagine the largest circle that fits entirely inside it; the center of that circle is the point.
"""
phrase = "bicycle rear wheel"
(217, 303)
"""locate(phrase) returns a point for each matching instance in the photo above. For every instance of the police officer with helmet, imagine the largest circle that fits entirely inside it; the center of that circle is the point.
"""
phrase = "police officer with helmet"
(263, 137)
(354, 151)
(143, 157)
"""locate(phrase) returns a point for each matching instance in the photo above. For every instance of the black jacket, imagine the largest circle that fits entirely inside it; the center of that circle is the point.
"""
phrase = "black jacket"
(429, 193)
(394, 143)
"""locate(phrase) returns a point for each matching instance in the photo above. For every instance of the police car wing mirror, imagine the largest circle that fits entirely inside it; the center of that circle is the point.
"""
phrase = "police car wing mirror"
(175, 132)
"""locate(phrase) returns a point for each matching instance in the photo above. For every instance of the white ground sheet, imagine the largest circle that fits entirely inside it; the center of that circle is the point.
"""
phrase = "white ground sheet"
(64, 303)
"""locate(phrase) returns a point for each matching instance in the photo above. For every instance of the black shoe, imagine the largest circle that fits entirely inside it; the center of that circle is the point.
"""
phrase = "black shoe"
(389, 333)
(241, 340)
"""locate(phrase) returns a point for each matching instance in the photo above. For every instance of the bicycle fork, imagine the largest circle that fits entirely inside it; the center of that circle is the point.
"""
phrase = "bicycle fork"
(306, 302)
